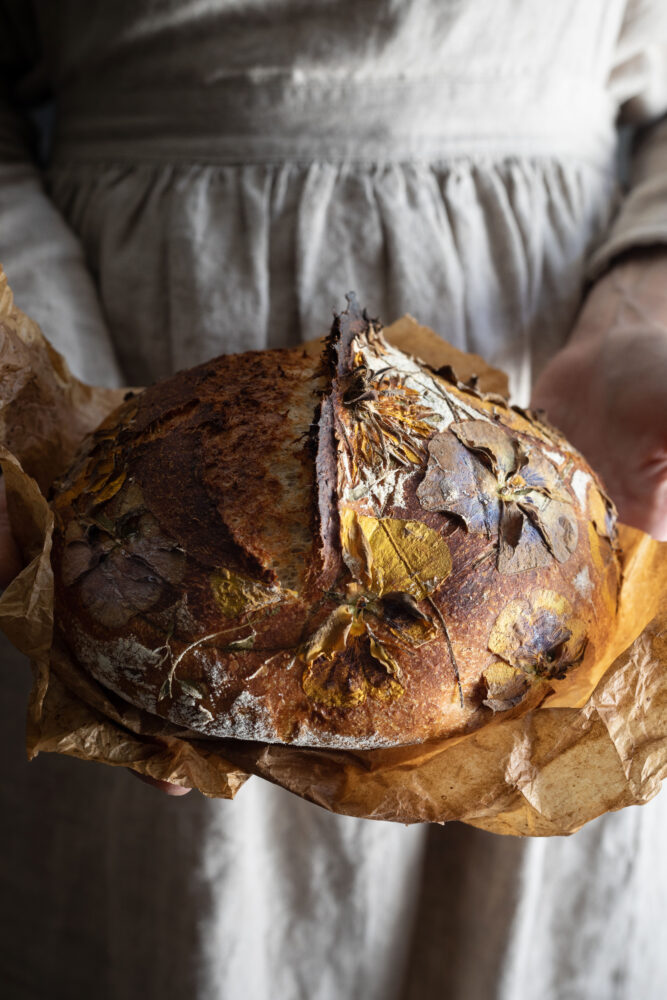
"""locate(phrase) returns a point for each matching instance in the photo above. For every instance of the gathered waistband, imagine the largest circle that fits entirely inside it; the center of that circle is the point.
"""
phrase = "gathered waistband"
(292, 118)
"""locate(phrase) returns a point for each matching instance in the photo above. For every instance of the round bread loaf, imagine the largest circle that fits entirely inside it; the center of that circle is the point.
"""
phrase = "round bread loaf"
(353, 552)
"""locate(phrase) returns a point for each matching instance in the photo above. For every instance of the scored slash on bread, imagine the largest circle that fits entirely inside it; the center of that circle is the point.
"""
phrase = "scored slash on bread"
(349, 551)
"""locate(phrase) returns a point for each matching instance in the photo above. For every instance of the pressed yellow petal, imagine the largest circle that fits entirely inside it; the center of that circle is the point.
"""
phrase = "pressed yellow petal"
(596, 548)
(108, 488)
(236, 595)
(505, 686)
(335, 686)
(383, 656)
(331, 637)
(539, 634)
(389, 688)
(500, 674)
(346, 680)
(356, 550)
(505, 634)
(599, 512)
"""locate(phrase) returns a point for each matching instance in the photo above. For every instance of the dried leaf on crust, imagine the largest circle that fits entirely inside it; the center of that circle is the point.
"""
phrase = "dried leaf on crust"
(520, 545)
(555, 522)
(602, 512)
(160, 553)
(358, 387)
(128, 501)
(539, 472)
(355, 547)
(107, 487)
(480, 472)
(380, 653)
(389, 554)
(237, 595)
(381, 424)
(456, 482)
(119, 572)
(118, 588)
(79, 557)
(539, 634)
(492, 443)
(505, 686)
(333, 634)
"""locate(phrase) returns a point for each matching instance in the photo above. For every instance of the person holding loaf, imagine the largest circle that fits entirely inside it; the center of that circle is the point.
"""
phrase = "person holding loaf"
(219, 176)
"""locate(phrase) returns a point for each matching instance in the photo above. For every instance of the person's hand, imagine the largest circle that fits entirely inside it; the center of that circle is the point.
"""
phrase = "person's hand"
(10, 566)
(607, 389)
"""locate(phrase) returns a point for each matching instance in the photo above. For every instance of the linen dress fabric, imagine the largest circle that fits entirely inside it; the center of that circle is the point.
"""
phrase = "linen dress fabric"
(221, 174)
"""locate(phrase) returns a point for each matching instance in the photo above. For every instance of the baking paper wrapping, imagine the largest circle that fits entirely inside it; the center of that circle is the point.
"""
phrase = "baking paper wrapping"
(598, 742)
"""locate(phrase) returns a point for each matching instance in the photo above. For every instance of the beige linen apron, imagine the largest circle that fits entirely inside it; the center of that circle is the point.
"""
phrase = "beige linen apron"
(223, 172)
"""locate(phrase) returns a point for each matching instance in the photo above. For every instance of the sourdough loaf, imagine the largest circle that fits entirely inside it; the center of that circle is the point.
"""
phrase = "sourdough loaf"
(354, 551)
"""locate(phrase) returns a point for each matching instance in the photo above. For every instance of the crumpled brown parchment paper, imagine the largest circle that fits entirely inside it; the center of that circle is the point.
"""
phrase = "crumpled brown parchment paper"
(598, 742)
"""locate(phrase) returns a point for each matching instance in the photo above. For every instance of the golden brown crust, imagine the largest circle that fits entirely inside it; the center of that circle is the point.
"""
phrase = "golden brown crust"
(355, 553)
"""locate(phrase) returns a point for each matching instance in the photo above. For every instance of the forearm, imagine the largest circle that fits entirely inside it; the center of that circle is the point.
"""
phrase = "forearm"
(607, 388)
(630, 299)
